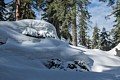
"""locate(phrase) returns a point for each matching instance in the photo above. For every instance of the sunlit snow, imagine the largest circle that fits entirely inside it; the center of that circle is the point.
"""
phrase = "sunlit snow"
(24, 55)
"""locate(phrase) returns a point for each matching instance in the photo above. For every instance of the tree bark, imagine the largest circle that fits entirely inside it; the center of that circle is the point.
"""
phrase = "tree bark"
(18, 9)
(74, 32)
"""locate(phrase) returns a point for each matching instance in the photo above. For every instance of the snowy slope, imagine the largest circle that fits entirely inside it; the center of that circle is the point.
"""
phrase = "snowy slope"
(113, 51)
(24, 57)
(103, 60)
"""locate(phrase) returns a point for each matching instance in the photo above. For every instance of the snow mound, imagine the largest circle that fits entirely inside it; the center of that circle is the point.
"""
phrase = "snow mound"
(17, 30)
(26, 56)
(40, 29)
(113, 51)
(20, 40)
(103, 61)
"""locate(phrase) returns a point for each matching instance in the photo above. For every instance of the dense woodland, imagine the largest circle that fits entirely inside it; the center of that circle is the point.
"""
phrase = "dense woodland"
(63, 14)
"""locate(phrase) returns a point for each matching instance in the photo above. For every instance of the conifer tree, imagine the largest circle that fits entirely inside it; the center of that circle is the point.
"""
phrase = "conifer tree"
(59, 14)
(11, 7)
(51, 14)
(104, 41)
(2, 10)
(23, 9)
(82, 38)
(18, 9)
(116, 12)
(62, 14)
(116, 30)
(110, 2)
(89, 42)
(95, 37)
(83, 22)
(26, 9)
(74, 27)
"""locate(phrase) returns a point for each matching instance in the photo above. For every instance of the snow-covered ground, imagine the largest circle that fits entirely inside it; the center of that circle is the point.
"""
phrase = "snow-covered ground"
(25, 57)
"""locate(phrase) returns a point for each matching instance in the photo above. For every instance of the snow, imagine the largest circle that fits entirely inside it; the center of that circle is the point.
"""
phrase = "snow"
(102, 59)
(24, 57)
(40, 29)
(113, 51)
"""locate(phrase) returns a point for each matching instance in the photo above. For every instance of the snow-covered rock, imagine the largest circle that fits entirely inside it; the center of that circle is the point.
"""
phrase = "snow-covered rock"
(38, 28)
(75, 65)
(34, 28)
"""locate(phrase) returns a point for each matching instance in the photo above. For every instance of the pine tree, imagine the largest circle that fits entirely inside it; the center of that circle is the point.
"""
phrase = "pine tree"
(110, 2)
(82, 38)
(116, 12)
(74, 27)
(50, 15)
(95, 37)
(62, 14)
(2, 10)
(18, 9)
(116, 30)
(83, 22)
(26, 9)
(104, 41)
(58, 13)
(11, 7)
(23, 9)
(89, 42)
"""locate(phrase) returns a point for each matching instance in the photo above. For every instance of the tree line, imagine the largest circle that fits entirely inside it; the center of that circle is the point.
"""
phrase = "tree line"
(71, 19)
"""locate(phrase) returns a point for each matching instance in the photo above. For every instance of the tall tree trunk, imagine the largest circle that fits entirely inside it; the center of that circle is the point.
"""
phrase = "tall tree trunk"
(74, 33)
(57, 26)
(18, 15)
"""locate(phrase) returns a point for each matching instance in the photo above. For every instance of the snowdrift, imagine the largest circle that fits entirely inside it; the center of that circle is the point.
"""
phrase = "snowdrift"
(33, 28)
(14, 34)
(23, 38)
(113, 51)
(31, 50)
